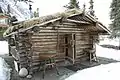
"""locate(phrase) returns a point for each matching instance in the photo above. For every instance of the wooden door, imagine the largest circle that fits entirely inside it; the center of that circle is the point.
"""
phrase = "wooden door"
(71, 47)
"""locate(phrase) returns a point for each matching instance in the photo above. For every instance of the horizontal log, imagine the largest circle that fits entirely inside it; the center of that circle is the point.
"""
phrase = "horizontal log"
(83, 40)
(79, 51)
(23, 62)
(35, 68)
(83, 44)
(43, 50)
(49, 50)
(44, 43)
(61, 28)
(39, 36)
(60, 31)
(82, 34)
(35, 58)
(47, 46)
(36, 64)
(83, 47)
(39, 41)
(81, 55)
(44, 37)
(22, 56)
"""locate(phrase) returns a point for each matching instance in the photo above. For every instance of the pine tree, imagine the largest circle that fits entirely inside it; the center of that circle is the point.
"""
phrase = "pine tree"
(72, 4)
(115, 17)
(36, 13)
(91, 8)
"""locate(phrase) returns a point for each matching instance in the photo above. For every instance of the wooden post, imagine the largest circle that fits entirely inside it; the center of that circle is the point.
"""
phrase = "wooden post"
(57, 41)
(9, 47)
(73, 50)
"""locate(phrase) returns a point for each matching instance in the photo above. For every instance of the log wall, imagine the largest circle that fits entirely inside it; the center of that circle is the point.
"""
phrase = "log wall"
(51, 40)
(83, 41)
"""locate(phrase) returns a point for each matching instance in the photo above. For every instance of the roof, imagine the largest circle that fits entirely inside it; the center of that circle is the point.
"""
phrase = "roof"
(28, 24)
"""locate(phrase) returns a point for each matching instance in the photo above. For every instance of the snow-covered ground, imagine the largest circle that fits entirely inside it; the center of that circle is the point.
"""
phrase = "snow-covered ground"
(108, 53)
(108, 41)
(4, 70)
(3, 47)
(105, 71)
(102, 72)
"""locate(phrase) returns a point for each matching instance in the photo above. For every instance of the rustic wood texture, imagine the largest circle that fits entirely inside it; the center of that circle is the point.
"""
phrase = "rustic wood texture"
(67, 42)
(83, 41)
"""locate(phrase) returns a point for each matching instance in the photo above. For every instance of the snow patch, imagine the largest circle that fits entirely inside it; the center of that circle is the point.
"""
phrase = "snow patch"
(102, 72)
(4, 70)
(108, 41)
(108, 53)
(3, 47)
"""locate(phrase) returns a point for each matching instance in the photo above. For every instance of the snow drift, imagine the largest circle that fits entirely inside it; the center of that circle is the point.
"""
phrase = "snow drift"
(108, 53)
(3, 47)
(102, 72)
(4, 70)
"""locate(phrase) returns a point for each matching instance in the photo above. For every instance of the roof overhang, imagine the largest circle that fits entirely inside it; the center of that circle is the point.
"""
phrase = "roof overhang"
(103, 28)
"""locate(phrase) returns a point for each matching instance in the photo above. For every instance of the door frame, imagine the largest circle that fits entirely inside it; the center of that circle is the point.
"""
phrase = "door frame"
(71, 42)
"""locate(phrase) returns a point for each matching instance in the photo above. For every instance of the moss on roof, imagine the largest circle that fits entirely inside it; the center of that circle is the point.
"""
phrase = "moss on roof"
(39, 20)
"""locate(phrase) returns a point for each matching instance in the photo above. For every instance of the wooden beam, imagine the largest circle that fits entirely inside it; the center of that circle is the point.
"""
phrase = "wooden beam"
(97, 24)
(91, 18)
(76, 21)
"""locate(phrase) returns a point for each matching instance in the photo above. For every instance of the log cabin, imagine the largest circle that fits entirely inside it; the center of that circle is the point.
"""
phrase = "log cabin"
(66, 34)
